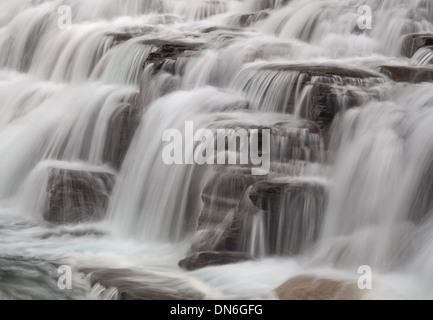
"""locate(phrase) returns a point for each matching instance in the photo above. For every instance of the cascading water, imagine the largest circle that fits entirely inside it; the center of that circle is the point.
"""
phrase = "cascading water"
(85, 107)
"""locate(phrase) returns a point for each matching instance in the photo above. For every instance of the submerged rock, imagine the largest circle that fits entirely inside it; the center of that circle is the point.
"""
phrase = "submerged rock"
(312, 288)
(77, 196)
(206, 259)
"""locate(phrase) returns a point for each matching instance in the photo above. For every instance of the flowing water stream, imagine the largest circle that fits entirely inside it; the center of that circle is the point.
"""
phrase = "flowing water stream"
(245, 62)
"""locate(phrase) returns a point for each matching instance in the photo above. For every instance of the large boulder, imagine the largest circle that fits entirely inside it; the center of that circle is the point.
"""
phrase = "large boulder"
(75, 196)
(312, 288)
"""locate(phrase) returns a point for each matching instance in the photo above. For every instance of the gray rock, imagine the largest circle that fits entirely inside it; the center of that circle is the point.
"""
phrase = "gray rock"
(77, 196)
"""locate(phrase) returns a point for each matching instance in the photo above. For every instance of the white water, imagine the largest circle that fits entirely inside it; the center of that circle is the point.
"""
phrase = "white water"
(60, 88)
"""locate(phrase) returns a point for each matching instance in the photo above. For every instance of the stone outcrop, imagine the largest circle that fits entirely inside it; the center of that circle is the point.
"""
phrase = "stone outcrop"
(77, 196)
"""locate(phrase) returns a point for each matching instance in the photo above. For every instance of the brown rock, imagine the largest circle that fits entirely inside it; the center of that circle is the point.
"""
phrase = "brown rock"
(311, 288)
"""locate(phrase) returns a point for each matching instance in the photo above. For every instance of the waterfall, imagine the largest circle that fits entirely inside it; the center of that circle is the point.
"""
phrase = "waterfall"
(300, 134)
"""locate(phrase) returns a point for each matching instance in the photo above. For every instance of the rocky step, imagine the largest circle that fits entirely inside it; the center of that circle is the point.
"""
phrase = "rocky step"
(165, 50)
(291, 216)
(146, 284)
(413, 42)
(408, 74)
(313, 288)
(227, 187)
(265, 195)
(207, 259)
(75, 196)
(326, 84)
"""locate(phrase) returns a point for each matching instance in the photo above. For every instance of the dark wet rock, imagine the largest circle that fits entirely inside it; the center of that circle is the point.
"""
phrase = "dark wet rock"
(206, 259)
(408, 74)
(168, 50)
(146, 284)
(265, 194)
(291, 216)
(326, 89)
(222, 193)
(121, 129)
(413, 42)
(312, 288)
(77, 196)
(327, 100)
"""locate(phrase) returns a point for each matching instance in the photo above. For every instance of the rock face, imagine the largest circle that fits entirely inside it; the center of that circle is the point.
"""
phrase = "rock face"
(222, 193)
(311, 288)
(413, 42)
(408, 74)
(121, 130)
(77, 196)
(206, 259)
(319, 91)
(148, 284)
